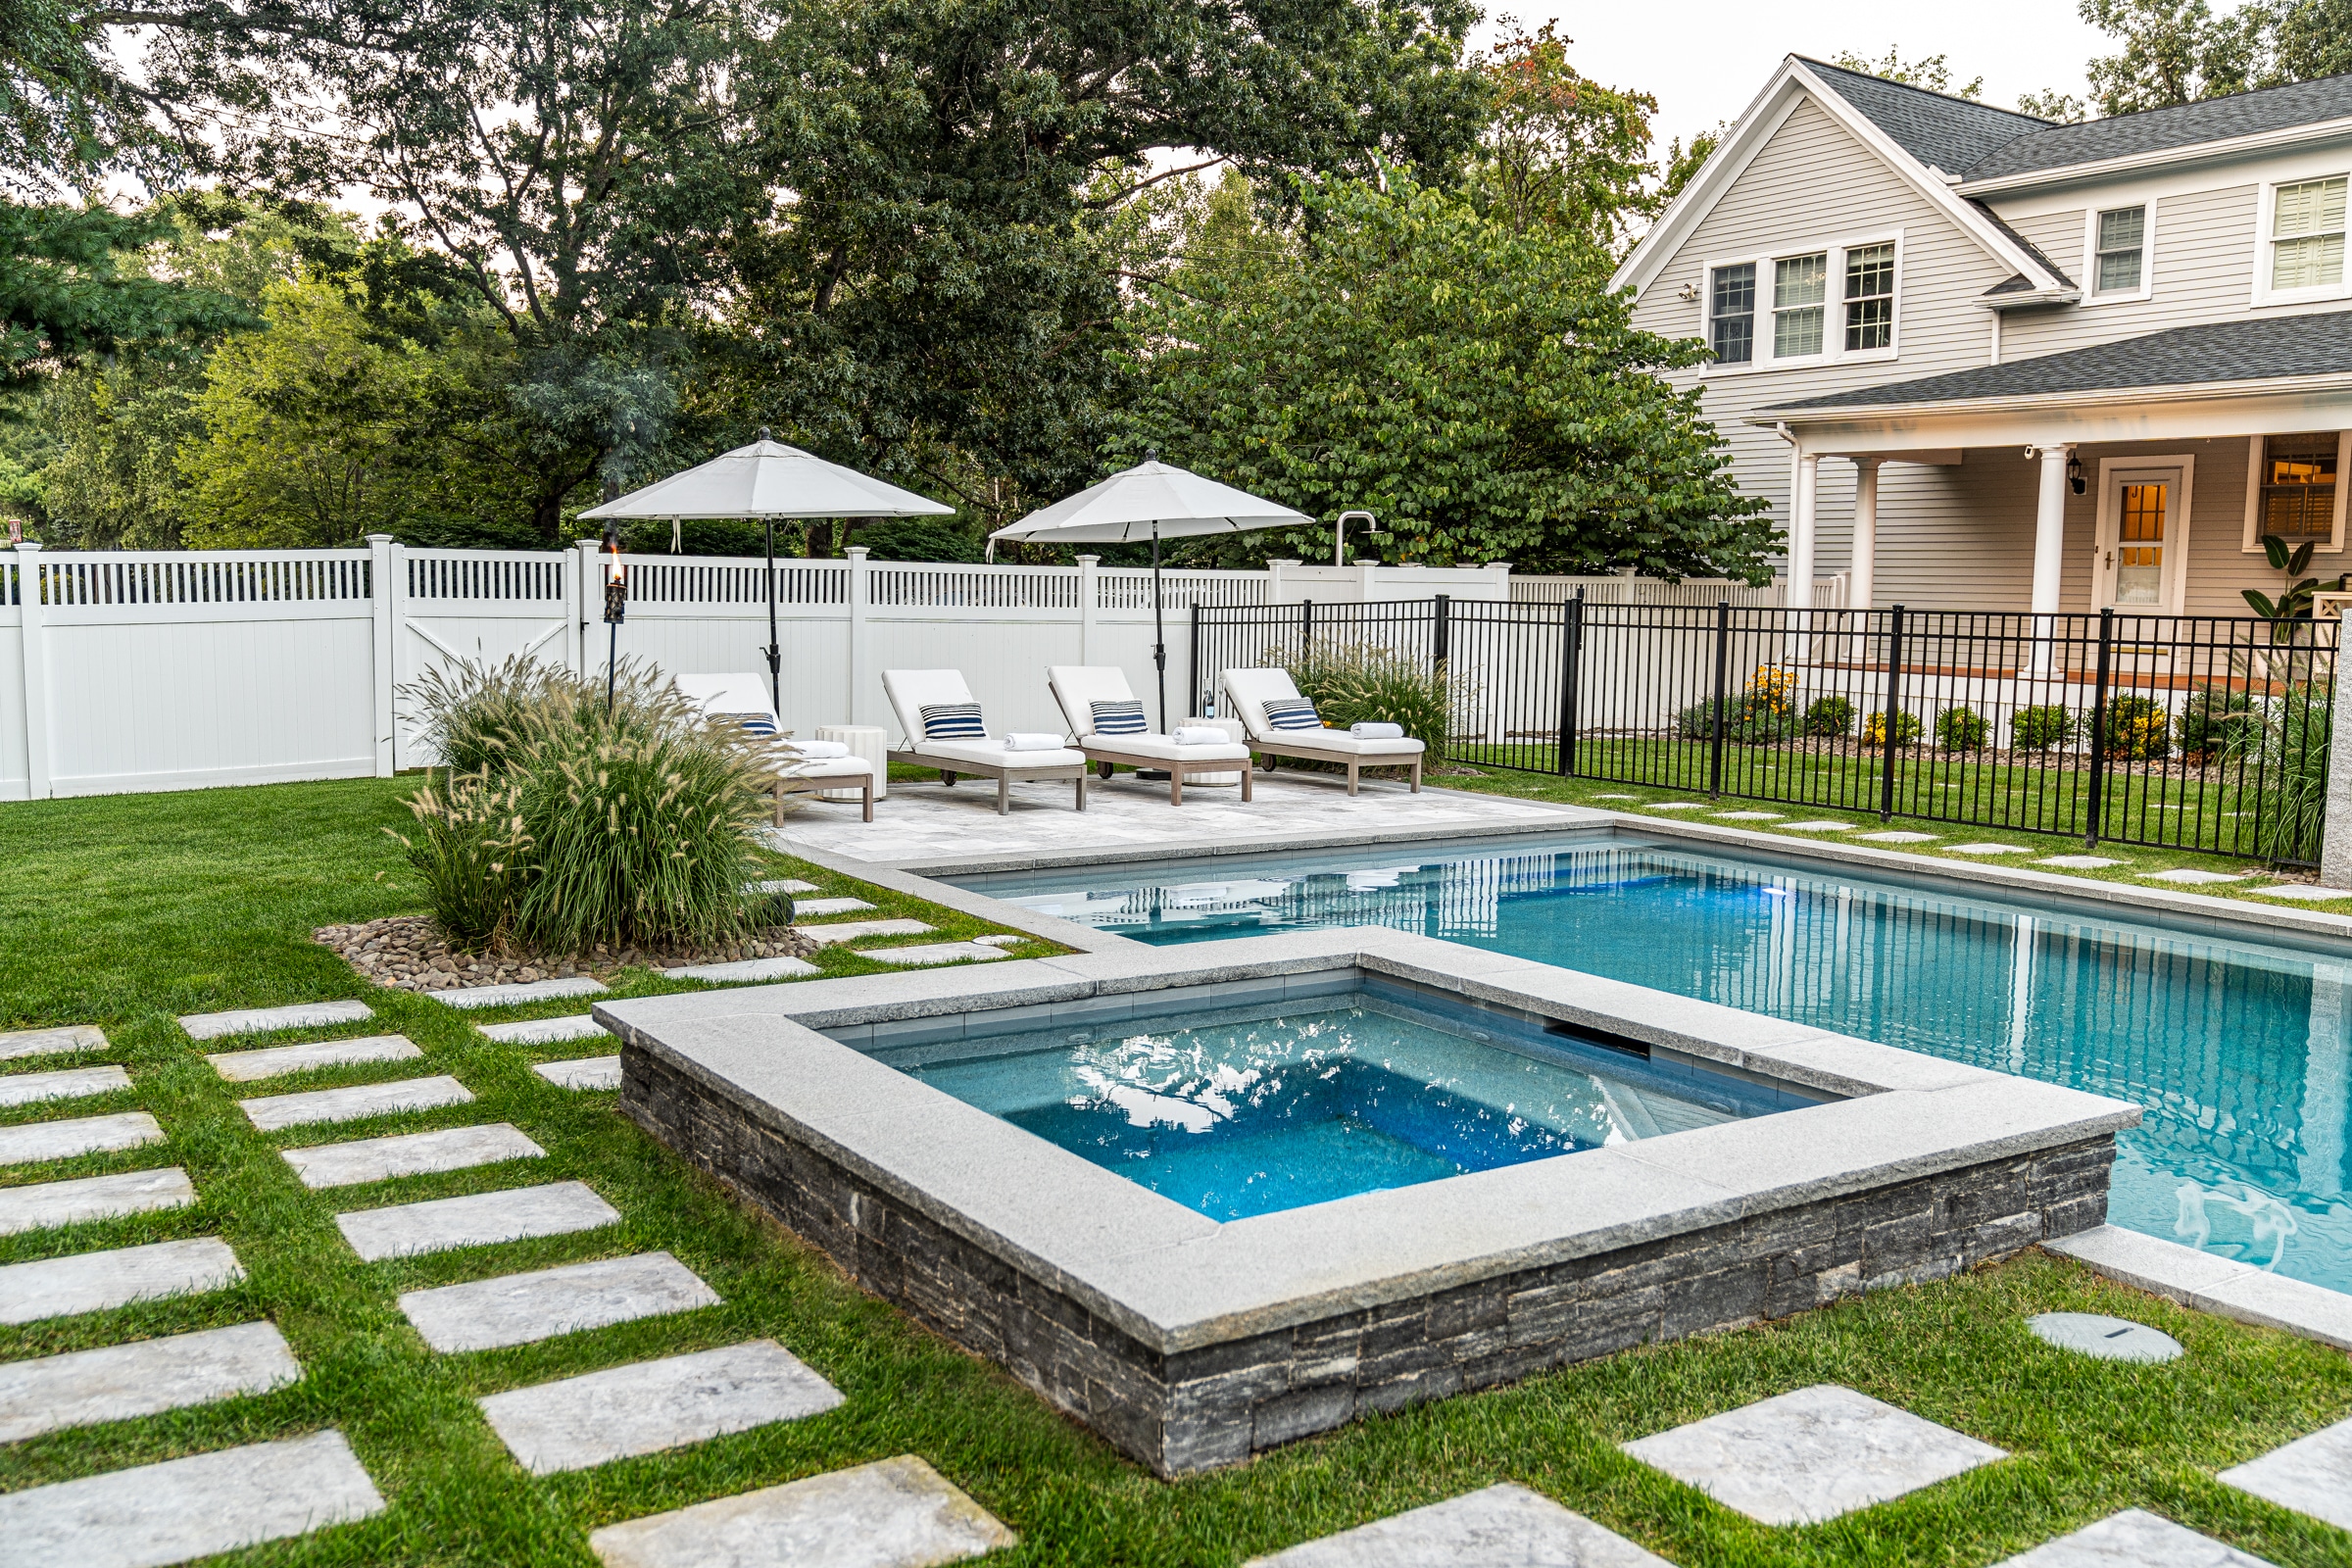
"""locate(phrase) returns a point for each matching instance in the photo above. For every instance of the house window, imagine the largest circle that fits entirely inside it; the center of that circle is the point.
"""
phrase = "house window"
(1869, 298)
(1732, 314)
(2298, 478)
(2307, 235)
(2123, 244)
(1800, 286)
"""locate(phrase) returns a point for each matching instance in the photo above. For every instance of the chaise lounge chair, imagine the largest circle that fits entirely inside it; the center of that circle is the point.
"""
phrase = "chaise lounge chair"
(1094, 695)
(944, 729)
(1248, 692)
(744, 699)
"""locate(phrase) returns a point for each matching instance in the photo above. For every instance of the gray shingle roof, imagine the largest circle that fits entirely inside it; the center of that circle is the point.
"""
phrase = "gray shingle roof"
(2244, 114)
(1933, 128)
(2255, 350)
(2023, 244)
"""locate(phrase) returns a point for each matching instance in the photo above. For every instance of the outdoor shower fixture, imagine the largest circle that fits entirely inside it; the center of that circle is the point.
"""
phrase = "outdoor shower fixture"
(616, 607)
(1338, 542)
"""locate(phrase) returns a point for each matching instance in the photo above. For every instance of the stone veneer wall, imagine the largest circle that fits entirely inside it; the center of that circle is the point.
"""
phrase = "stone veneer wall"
(1194, 1409)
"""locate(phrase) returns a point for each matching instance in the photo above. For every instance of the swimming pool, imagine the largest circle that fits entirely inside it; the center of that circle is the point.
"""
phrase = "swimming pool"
(2239, 1051)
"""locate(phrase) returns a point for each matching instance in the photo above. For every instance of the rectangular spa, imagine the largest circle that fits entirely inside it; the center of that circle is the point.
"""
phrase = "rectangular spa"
(1209, 1199)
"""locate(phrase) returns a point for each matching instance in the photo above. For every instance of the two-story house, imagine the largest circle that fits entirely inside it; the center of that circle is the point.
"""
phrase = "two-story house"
(1977, 360)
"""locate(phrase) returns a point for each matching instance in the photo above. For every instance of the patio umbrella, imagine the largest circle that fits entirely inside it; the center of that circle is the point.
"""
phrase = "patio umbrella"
(1151, 500)
(764, 481)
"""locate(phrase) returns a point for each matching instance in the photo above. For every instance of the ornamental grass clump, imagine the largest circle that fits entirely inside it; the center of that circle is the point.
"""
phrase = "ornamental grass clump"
(473, 853)
(1375, 686)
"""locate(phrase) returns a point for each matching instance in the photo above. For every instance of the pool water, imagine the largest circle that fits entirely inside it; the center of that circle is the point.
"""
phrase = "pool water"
(1242, 1114)
(2239, 1052)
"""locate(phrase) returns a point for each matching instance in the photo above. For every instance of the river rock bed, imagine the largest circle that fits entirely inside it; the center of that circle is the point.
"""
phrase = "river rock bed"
(407, 952)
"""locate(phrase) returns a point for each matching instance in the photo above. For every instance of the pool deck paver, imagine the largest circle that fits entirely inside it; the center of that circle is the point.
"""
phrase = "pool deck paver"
(30, 1142)
(521, 991)
(581, 1072)
(275, 1112)
(69, 1083)
(930, 953)
(1812, 1454)
(269, 1020)
(17, 1044)
(40, 1205)
(478, 1219)
(2311, 1475)
(543, 1031)
(272, 1061)
(893, 1513)
(96, 1282)
(194, 1507)
(780, 967)
(122, 1382)
(578, 1423)
(377, 1160)
(1503, 1526)
(520, 1309)
(2302, 890)
(2135, 1538)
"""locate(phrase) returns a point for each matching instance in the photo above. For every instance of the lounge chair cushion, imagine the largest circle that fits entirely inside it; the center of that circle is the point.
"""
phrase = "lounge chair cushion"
(1161, 746)
(1249, 690)
(835, 767)
(1079, 687)
(910, 690)
(1339, 741)
(993, 754)
(735, 697)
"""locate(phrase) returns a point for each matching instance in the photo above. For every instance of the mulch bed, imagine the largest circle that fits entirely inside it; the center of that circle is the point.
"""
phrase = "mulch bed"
(407, 952)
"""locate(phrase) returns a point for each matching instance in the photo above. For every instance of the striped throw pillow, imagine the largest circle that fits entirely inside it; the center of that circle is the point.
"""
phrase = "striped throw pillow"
(1123, 718)
(953, 721)
(758, 724)
(1293, 713)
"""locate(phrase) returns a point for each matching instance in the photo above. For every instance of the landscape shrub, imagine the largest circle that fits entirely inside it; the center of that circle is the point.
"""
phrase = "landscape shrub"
(1906, 729)
(2138, 729)
(1697, 722)
(1830, 716)
(1374, 686)
(472, 854)
(1771, 689)
(1962, 729)
(2218, 723)
(2041, 728)
(2293, 742)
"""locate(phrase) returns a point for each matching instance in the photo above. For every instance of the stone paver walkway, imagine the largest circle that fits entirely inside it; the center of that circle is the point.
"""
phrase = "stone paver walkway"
(1812, 1454)
(2192, 878)
(520, 1309)
(1748, 816)
(856, 930)
(269, 1020)
(17, 1044)
(1985, 849)
(929, 953)
(29, 1141)
(2311, 1475)
(507, 996)
(2303, 892)
(642, 1408)
(583, 1072)
(38, 1205)
(1824, 826)
(2079, 863)
(2135, 1538)
(193, 1507)
(1506, 1526)
(124, 1380)
(94, 1282)
(782, 967)
(274, 1113)
(250, 1066)
(543, 1031)
(896, 1513)
(781, 884)
(1897, 836)
(72, 1083)
(377, 1160)
(812, 906)
(479, 1219)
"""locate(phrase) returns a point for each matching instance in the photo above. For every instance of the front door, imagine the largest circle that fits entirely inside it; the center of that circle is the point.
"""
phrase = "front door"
(2139, 540)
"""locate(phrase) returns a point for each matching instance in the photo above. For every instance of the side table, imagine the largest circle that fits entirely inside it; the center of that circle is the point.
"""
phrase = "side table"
(863, 740)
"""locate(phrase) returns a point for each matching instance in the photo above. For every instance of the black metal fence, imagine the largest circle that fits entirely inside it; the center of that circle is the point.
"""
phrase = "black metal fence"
(2177, 731)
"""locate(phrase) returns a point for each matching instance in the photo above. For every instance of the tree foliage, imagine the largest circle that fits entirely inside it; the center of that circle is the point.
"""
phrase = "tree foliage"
(1475, 384)
(2173, 52)
(1930, 72)
(1562, 148)
(72, 288)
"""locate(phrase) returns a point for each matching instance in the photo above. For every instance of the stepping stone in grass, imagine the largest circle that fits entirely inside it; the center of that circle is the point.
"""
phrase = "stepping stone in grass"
(43, 1204)
(2303, 892)
(74, 1083)
(852, 930)
(578, 985)
(782, 884)
(271, 1112)
(16, 1043)
(1900, 838)
(586, 1421)
(1499, 1524)
(520, 1309)
(2135, 1538)
(2193, 878)
(1676, 806)
(246, 1066)
(582, 1072)
(544, 1031)
(2109, 1339)
(1803, 1457)
(1616, 797)
(193, 1507)
(377, 1160)
(1987, 849)
(126, 1381)
(2080, 862)
(777, 969)
(266, 1020)
(928, 953)
(1824, 826)
(895, 1513)
(2311, 1475)
(31, 1141)
(480, 1220)
(1748, 816)
(1002, 939)
(806, 907)
(94, 1282)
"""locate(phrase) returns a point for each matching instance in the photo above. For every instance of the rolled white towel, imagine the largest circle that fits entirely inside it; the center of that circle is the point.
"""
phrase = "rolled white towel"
(1377, 732)
(819, 751)
(1020, 742)
(1199, 735)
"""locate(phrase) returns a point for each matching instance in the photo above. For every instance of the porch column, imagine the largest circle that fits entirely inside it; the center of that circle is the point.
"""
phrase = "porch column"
(2049, 551)
(1803, 490)
(1860, 573)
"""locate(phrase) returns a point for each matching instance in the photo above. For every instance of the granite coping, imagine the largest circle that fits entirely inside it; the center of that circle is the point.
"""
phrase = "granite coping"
(2211, 1283)
(1176, 1280)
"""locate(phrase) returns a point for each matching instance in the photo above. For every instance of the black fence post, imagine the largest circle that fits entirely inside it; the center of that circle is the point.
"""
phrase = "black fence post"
(1723, 670)
(1890, 715)
(1307, 624)
(1440, 634)
(2098, 731)
(1572, 638)
(1192, 708)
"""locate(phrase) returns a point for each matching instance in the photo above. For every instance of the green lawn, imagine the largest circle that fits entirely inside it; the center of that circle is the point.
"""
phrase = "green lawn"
(126, 911)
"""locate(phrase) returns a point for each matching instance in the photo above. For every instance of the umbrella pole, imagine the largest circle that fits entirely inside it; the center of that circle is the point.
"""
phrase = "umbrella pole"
(776, 655)
(1159, 632)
